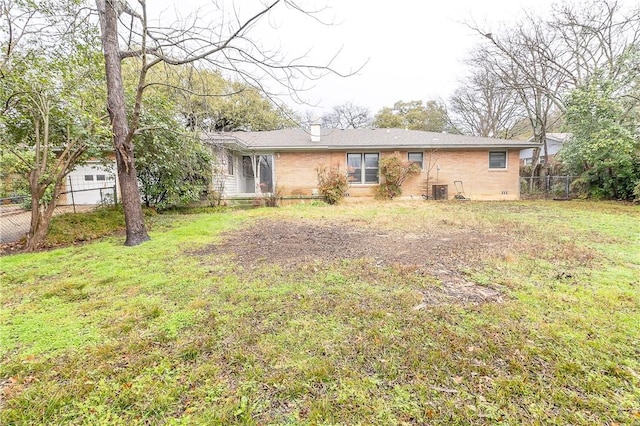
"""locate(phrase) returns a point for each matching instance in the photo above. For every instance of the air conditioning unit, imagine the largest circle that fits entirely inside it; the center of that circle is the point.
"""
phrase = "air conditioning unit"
(440, 192)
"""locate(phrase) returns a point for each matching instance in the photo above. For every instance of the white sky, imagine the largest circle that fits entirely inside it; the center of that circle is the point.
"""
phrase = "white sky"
(414, 48)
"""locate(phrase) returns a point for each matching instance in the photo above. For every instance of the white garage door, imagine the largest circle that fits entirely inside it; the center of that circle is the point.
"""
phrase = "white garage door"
(92, 183)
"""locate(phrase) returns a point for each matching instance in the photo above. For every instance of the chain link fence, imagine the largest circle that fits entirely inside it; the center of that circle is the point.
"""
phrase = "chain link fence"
(97, 188)
(548, 187)
(15, 211)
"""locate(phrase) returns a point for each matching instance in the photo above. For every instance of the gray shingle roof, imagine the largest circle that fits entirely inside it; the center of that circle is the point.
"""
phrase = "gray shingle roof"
(340, 139)
(560, 137)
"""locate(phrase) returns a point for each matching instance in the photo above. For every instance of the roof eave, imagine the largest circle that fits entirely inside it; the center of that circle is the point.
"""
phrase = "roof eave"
(387, 147)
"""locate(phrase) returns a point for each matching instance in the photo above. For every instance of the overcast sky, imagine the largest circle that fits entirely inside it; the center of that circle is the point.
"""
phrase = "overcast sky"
(414, 49)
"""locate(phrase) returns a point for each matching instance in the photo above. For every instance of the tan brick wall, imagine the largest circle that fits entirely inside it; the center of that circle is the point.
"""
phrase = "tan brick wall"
(295, 172)
(472, 168)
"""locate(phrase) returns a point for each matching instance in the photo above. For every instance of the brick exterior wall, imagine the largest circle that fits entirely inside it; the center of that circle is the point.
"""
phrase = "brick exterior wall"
(296, 175)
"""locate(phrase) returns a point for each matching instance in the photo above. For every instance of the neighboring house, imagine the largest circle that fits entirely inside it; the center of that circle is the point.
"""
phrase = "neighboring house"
(257, 162)
(92, 183)
(555, 141)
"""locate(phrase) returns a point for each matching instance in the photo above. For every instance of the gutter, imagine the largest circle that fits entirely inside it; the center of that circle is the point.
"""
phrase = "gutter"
(385, 147)
(242, 146)
(248, 147)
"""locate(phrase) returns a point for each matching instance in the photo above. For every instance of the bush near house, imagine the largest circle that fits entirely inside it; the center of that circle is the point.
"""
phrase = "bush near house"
(332, 183)
(394, 172)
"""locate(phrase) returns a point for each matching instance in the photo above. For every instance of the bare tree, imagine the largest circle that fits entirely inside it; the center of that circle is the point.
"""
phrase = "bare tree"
(543, 60)
(483, 106)
(223, 43)
(595, 38)
(518, 59)
(347, 116)
(431, 161)
(306, 118)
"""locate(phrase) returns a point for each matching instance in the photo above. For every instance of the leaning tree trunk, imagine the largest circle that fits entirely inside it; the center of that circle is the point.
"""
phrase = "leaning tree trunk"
(122, 138)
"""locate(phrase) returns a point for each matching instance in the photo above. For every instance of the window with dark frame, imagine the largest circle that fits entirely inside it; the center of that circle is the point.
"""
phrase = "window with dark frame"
(363, 167)
(416, 158)
(101, 177)
(88, 177)
(497, 159)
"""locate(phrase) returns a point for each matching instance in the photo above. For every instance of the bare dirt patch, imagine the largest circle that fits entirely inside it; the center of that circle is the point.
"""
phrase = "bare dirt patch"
(443, 255)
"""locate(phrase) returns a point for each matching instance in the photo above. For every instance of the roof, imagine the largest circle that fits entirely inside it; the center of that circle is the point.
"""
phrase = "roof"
(365, 138)
(562, 137)
(559, 137)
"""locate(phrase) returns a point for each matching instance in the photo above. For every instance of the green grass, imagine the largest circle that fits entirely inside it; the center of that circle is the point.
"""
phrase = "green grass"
(71, 228)
(163, 333)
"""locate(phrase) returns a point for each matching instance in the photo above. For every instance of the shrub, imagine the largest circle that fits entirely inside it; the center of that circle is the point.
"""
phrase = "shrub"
(603, 149)
(580, 187)
(332, 183)
(273, 199)
(173, 168)
(395, 172)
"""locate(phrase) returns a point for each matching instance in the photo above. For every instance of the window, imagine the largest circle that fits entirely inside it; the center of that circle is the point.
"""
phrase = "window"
(264, 163)
(230, 164)
(101, 177)
(264, 173)
(415, 157)
(88, 177)
(363, 167)
(247, 168)
(498, 159)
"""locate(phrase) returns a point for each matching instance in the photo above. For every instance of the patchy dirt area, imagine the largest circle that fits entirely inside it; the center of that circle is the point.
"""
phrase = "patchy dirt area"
(443, 255)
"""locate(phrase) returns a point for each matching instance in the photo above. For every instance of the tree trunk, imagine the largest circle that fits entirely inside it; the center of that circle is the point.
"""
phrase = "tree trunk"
(122, 139)
(539, 136)
(37, 233)
(131, 204)
(36, 236)
(40, 219)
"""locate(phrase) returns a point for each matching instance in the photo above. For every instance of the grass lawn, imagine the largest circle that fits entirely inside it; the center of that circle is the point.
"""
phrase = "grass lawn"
(382, 313)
